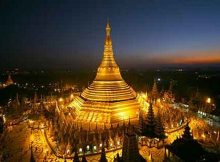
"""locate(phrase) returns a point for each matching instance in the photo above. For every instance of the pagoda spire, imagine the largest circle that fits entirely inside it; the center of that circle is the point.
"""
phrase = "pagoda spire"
(9, 81)
(108, 69)
(159, 128)
(171, 86)
(197, 94)
(150, 115)
(130, 151)
(35, 97)
(149, 127)
(154, 92)
(108, 29)
(187, 134)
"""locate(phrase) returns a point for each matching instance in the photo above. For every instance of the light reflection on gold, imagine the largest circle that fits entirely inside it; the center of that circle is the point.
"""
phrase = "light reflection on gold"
(109, 99)
(208, 100)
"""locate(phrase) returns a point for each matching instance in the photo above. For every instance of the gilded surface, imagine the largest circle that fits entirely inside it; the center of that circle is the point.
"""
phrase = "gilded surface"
(109, 99)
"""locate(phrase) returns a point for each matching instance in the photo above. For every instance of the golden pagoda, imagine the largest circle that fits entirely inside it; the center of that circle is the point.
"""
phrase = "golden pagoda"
(109, 99)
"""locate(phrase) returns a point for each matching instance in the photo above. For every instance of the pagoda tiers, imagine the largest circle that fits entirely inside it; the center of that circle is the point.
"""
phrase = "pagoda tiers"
(109, 99)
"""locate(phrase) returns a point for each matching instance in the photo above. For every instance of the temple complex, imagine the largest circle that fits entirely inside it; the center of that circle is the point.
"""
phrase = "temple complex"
(109, 117)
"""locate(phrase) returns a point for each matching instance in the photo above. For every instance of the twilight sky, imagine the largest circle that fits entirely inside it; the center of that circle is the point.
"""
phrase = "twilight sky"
(70, 33)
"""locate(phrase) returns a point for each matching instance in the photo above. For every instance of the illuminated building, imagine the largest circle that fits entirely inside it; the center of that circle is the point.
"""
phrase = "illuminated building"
(151, 128)
(130, 150)
(168, 95)
(154, 92)
(98, 117)
(109, 99)
(9, 81)
(149, 124)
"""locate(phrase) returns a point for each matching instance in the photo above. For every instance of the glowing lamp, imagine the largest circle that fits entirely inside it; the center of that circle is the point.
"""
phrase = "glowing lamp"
(208, 100)
(118, 142)
(61, 99)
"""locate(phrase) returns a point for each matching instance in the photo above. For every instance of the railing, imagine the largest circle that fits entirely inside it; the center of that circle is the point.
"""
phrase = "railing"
(80, 155)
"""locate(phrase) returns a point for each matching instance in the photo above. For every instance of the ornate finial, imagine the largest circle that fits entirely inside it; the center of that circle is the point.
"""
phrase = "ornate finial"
(108, 29)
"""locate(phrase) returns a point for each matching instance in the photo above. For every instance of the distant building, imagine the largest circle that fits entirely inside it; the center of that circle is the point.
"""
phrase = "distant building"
(9, 81)
(154, 91)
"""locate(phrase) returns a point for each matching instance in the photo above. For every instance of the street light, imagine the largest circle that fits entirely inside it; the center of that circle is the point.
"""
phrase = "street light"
(61, 99)
(208, 100)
